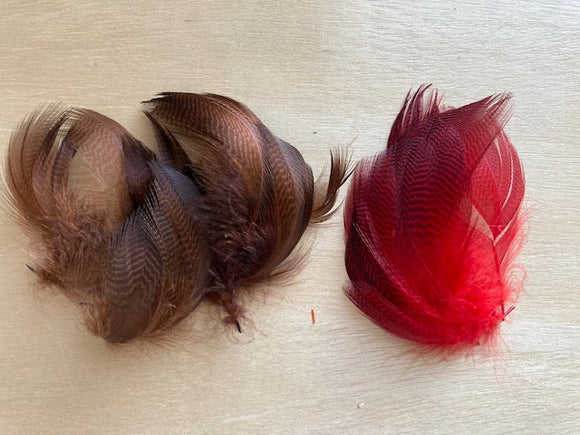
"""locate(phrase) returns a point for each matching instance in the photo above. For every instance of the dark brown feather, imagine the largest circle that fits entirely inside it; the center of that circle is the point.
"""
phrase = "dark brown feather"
(259, 191)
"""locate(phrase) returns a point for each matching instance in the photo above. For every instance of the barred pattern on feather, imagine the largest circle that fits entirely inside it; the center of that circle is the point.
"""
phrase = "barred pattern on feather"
(260, 194)
(433, 223)
(136, 240)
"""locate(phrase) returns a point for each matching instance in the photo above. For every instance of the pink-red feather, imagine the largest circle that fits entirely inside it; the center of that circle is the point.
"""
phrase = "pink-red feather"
(433, 223)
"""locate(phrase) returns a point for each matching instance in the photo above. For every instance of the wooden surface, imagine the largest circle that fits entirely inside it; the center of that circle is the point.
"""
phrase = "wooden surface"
(319, 74)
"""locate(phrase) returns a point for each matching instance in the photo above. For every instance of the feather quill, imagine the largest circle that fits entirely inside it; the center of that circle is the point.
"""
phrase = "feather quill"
(433, 223)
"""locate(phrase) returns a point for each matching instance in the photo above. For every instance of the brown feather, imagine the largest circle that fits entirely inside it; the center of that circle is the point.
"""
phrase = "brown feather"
(258, 189)
(137, 242)
(119, 233)
(68, 233)
(158, 271)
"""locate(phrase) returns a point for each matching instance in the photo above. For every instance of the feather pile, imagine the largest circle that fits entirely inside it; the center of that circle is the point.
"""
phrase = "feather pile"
(138, 239)
(433, 223)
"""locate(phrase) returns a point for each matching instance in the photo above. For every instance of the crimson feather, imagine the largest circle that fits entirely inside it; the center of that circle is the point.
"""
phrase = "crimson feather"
(433, 223)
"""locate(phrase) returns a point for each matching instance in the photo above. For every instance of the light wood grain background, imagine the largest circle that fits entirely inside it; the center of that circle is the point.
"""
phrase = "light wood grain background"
(319, 74)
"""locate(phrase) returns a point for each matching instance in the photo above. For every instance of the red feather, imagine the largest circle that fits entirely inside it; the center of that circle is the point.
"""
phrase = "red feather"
(433, 223)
